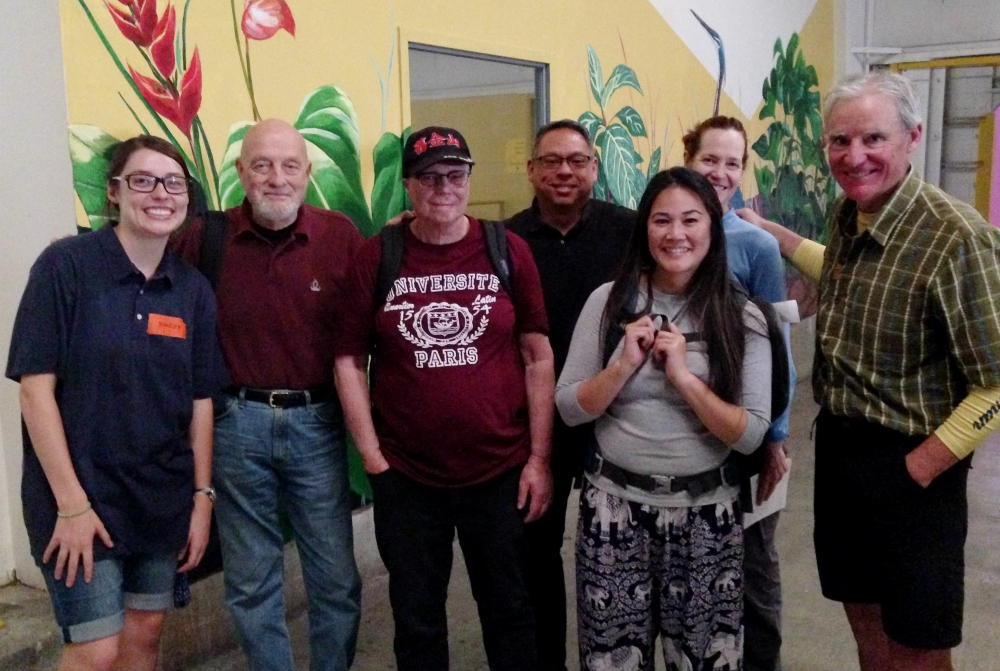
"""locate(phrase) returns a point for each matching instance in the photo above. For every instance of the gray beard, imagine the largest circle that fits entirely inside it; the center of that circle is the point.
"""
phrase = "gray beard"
(269, 211)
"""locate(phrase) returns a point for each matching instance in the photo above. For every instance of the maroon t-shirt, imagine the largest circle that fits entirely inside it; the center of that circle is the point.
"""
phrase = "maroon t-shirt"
(448, 395)
(277, 302)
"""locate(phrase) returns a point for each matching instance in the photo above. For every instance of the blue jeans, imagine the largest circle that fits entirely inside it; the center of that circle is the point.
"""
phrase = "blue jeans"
(298, 456)
(91, 611)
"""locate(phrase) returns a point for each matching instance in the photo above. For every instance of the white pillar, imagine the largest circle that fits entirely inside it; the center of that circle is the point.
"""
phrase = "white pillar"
(36, 194)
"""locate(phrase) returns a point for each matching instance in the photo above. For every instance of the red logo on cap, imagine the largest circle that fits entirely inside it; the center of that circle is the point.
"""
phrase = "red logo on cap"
(453, 142)
(436, 140)
(420, 146)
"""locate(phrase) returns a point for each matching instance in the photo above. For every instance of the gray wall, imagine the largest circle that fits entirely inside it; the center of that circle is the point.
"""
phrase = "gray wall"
(36, 195)
(918, 30)
(916, 23)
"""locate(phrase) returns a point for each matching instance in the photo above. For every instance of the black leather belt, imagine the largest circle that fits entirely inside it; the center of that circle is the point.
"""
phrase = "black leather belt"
(283, 398)
(695, 485)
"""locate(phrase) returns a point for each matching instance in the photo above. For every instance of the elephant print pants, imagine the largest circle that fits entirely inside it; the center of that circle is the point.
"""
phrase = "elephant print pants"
(643, 570)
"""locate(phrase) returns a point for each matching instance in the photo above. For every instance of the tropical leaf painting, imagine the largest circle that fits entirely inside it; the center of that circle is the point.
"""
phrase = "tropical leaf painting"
(329, 124)
(388, 195)
(794, 183)
(89, 149)
(620, 177)
(230, 190)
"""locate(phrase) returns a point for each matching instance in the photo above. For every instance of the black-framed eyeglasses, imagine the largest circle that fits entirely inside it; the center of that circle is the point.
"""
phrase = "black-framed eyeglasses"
(143, 183)
(553, 162)
(433, 180)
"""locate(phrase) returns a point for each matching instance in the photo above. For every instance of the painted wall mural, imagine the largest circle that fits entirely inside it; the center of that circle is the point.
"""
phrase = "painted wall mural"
(796, 188)
(620, 178)
(171, 96)
(793, 181)
(748, 28)
(637, 73)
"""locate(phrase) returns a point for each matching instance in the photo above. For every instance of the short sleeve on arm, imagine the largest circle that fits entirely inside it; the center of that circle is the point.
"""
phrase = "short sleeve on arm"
(529, 303)
(967, 290)
(209, 370)
(40, 339)
(585, 357)
(356, 303)
(756, 381)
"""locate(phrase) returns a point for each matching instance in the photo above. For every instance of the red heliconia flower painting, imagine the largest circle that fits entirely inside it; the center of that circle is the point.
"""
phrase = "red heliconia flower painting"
(263, 18)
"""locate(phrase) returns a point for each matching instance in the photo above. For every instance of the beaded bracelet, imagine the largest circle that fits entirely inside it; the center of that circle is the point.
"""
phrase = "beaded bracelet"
(67, 516)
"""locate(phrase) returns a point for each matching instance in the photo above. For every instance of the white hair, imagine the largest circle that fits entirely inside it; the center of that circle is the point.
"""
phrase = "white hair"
(897, 87)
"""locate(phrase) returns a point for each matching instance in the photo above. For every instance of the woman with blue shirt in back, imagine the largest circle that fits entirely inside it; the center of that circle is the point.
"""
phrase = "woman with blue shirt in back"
(717, 149)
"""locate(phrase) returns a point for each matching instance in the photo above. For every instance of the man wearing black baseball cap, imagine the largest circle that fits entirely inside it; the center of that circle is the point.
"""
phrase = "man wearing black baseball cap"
(434, 144)
(456, 433)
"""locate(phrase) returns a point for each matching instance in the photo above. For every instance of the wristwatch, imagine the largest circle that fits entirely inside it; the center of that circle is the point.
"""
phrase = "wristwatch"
(207, 491)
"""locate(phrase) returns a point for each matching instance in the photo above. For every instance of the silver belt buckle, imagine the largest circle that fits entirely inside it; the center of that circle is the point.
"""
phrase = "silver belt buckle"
(598, 464)
(275, 392)
(664, 484)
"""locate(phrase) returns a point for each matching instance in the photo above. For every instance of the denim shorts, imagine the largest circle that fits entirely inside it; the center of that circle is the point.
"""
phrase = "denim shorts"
(95, 610)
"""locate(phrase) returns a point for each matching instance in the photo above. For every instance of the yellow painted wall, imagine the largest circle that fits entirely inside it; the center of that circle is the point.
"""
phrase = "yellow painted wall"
(342, 43)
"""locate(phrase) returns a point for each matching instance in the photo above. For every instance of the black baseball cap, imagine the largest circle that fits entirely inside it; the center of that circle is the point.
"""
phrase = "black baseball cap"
(431, 145)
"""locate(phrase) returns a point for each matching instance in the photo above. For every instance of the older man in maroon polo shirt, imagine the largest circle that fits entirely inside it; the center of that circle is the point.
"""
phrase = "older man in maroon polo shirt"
(279, 432)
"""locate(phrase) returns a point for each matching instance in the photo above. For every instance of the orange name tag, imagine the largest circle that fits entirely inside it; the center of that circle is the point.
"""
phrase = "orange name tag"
(172, 327)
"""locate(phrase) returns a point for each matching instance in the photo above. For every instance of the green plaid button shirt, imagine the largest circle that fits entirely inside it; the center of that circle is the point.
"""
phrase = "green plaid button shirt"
(909, 310)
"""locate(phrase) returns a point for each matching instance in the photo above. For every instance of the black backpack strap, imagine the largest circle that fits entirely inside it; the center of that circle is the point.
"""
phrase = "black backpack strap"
(613, 334)
(495, 234)
(781, 393)
(392, 238)
(215, 225)
(616, 330)
(780, 383)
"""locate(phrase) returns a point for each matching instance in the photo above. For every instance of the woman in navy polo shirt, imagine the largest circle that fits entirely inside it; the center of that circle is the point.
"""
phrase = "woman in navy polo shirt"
(115, 349)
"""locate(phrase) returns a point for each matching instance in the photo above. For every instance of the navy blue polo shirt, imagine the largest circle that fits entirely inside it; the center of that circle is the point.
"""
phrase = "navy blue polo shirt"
(130, 357)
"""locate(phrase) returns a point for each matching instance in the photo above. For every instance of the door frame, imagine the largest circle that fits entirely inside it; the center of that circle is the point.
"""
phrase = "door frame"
(546, 64)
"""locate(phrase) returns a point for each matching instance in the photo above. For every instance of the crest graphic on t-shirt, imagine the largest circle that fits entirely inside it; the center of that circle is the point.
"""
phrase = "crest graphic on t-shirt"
(443, 325)
(444, 332)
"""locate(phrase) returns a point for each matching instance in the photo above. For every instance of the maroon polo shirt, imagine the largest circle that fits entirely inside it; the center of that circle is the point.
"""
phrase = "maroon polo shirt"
(277, 303)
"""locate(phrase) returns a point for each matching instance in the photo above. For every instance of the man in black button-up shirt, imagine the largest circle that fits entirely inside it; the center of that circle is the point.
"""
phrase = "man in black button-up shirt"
(577, 242)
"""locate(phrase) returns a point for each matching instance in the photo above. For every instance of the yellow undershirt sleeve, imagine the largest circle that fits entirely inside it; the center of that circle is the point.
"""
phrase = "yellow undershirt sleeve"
(864, 220)
(975, 418)
(808, 259)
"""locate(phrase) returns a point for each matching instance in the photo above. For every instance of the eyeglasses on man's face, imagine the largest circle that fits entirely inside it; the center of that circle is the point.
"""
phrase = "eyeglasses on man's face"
(433, 180)
(553, 162)
(143, 183)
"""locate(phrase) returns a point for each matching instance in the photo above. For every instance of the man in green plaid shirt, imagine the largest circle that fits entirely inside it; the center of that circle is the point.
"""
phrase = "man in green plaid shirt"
(907, 372)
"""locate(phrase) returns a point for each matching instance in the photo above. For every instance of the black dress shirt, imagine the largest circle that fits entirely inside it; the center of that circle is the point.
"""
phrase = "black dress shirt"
(572, 266)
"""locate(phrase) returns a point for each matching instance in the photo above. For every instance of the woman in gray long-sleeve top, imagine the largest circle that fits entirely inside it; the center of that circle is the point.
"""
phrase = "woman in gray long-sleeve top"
(660, 534)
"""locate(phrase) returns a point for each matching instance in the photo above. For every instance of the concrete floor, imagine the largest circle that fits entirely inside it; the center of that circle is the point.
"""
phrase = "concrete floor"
(817, 637)
(816, 634)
